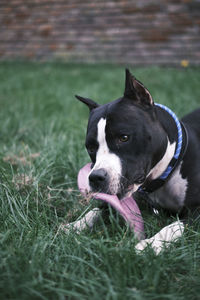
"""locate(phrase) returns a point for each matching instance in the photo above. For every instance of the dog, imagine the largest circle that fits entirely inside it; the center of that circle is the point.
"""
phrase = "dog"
(139, 147)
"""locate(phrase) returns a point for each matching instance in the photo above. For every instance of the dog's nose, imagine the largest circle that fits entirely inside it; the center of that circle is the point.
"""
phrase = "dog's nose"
(98, 179)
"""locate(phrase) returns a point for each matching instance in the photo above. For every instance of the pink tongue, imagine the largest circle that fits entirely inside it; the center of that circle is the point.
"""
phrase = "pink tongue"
(127, 207)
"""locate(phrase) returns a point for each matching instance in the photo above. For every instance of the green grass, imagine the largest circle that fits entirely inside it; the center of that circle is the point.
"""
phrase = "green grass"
(42, 130)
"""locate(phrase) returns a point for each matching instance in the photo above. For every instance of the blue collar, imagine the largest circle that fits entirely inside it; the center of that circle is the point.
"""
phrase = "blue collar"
(152, 186)
(179, 142)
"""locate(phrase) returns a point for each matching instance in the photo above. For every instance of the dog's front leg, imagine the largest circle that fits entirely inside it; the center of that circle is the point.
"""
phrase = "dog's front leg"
(163, 238)
(87, 221)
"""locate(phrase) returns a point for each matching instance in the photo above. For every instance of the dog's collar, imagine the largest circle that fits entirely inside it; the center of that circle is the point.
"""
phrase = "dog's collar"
(178, 156)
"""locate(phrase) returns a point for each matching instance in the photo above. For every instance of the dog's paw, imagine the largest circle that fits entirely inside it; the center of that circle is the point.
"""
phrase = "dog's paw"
(142, 245)
(87, 221)
(74, 226)
(163, 238)
(156, 245)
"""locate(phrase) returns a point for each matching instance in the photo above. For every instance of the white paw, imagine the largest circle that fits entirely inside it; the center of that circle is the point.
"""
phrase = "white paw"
(142, 245)
(157, 246)
(163, 238)
(87, 221)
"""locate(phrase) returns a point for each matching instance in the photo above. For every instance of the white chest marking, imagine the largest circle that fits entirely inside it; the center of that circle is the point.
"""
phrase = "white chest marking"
(172, 195)
(107, 160)
(161, 166)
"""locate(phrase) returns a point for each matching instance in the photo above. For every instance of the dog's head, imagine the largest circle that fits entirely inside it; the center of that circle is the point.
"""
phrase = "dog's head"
(124, 140)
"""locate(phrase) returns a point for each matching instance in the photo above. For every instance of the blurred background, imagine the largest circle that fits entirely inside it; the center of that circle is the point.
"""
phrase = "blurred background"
(139, 32)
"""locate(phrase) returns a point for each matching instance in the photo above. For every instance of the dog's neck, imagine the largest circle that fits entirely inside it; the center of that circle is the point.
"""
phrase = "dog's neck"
(175, 150)
(162, 165)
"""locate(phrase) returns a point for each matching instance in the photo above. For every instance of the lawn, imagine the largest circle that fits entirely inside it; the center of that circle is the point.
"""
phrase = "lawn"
(42, 130)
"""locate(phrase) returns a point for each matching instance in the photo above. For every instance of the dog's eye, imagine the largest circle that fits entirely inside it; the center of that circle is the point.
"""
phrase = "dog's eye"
(124, 138)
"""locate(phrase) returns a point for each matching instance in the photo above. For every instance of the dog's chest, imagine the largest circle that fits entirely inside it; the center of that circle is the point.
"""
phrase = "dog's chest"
(172, 195)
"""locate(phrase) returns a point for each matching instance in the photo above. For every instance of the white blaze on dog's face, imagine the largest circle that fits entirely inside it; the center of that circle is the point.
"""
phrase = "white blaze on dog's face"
(106, 160)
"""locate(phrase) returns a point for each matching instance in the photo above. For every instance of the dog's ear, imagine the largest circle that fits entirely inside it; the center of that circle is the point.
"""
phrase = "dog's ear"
(90, 103)
(136, 91)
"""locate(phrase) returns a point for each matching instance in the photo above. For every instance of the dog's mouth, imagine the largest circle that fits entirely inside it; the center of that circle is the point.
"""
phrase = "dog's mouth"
(129, 191)
(121, 192)
(100, 182)
(127, 207)
(128, 188)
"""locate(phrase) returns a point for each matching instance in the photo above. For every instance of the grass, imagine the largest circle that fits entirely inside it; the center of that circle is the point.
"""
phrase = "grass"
(42, 129)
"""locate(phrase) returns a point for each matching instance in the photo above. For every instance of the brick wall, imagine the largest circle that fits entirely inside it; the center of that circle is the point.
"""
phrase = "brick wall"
(119, 31)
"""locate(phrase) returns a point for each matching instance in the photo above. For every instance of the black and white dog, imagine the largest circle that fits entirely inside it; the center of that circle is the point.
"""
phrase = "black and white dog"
(137, 146)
